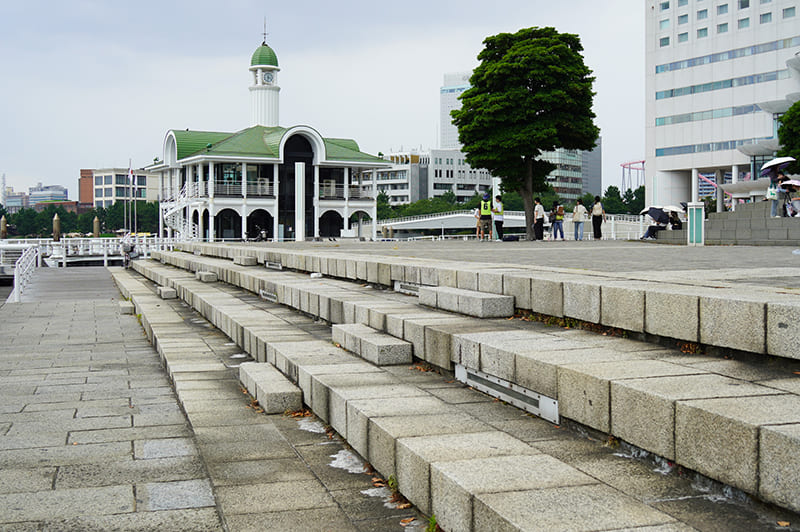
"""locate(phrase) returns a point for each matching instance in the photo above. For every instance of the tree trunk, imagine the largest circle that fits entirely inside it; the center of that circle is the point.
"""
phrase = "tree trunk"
(527, 198)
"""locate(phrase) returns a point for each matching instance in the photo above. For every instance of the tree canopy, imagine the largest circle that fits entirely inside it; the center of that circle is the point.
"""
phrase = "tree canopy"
(789, 136)
(530, 94)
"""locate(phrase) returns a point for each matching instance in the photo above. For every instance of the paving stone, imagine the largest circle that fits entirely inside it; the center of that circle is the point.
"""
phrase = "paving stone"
(273, 497)
(593, 507)
(779, 475)
(720, 437)
(175, 495)
(454, 484)
(62, 504)
(643, 410)
(415, 454)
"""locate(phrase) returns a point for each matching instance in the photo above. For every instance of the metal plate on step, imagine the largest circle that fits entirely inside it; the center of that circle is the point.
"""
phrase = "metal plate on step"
(410, 289)
(528, 400)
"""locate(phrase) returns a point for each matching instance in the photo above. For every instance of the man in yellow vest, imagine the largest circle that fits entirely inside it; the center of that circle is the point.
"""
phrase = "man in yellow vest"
(486, 217)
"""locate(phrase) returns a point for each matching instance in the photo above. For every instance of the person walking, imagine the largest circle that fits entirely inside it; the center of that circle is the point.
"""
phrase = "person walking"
(486, 217)
(558, 220)
(477, 214)
(538, 220)
(598, 217)
(578, 216)
(497, 211)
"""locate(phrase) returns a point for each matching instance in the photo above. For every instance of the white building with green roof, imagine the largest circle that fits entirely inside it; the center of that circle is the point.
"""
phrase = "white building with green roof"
(289, 182)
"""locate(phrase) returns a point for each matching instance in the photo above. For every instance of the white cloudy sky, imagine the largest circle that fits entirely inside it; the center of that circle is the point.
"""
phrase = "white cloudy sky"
(94, 83)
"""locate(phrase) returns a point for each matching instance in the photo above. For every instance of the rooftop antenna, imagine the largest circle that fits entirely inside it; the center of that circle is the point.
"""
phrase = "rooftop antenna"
(265, 31)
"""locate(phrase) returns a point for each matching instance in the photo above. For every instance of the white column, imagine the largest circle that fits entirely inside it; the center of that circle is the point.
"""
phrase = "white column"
(299, 197)
(275, 186)
(695, 188)
(719, 179)
(211, 224)
(244, 220)
(200, 227)
(316, 201)
(200, 170)
(244, 180)
(211, 182)
(734, 179)
(346, 182)
(374, 173)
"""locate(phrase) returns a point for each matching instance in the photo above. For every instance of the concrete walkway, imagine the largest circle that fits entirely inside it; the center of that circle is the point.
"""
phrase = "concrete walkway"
(92, 436)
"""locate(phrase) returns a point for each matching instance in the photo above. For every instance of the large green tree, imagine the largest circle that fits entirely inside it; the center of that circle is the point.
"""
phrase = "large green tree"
(789, 136)
(530, 94)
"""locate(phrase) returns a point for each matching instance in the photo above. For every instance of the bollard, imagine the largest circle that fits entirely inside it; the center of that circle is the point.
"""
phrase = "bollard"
(3, 228)
(96, 227)
(391, 231)
(57, 229)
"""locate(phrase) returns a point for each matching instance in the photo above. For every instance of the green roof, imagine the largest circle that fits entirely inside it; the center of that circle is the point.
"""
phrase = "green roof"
(260, 141)
(190, 142)
(264, 55)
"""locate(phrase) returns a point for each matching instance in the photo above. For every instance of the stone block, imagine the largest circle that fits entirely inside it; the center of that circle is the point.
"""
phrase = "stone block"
(622, 306)
(439, 338)
(783, 335)
(779, 465)
(590, 507)
(360, 411)
(730, 321)
(584, 390)
(273, 391)
(582, 300)
(126, 308)
(385, 432)
(385, 350)
(245, 260)
(206, 277)
(414, 456)
(720, 437)
(467, 279)
(317, 381)
(428, 296)
(547, 295)
(519, 286)
(454, 484)
(339, 397)
(482, 305)
(643, 410)
(672, 314)
(164, 292)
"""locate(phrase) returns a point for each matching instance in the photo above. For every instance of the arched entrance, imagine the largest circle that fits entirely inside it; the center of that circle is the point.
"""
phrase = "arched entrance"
(296, 150)
(205, 224)
(228, 224)
(257, 221)
(356, 221)
(331, 224)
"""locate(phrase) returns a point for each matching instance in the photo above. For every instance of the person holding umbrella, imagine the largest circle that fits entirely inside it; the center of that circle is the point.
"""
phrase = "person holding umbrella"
(661, 220)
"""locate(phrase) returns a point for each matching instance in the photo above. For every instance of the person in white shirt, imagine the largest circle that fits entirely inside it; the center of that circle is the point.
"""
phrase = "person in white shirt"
(497, 212)
(578, 216)
(538, 220)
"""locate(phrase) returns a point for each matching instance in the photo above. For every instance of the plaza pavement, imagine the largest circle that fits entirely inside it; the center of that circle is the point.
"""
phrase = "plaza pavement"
(93, 437)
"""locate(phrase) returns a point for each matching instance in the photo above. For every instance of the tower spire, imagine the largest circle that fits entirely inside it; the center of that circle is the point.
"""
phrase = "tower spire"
(265, 31)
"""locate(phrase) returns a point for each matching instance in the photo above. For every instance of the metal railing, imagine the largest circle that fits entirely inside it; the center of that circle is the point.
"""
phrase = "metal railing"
(23, 270)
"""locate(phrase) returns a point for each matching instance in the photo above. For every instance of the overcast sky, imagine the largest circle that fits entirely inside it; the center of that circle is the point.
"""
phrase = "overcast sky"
(91, 83)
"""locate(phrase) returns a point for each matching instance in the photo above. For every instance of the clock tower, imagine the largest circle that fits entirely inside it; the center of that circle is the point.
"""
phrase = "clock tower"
(264, 90)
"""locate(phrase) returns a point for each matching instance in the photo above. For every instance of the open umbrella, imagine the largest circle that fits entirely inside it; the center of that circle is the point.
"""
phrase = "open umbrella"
(658, 215)
(793, 182)
(776, 164)
(672, 208)
(644, 211)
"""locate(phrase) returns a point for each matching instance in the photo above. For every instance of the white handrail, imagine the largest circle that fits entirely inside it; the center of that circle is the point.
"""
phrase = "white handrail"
(23, 270)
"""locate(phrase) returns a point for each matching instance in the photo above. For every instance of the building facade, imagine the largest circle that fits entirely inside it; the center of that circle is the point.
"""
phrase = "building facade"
(286, 182)
(718, 75)
(103, 187)
(592, 170)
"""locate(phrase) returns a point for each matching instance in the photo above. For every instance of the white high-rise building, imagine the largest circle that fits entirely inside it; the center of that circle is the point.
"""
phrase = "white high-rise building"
(454, 84)
(718, 75)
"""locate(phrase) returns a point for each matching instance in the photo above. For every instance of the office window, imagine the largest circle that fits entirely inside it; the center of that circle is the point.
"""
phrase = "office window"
(683, 19)
(683, 37)
(664, 6)
(98, 180)
(744, 4)
(108, 179)
(664, 24)
(765, 1)
(683, 3)
(702, 32)
(744, 23)
(788, 12)
(98, 193)
(722, 28)
(702, 14)
(765, 18)
(109, 192)
(722, 9)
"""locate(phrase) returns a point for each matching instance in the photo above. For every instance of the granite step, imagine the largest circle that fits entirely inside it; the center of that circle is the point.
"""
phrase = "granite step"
(469, 302)
(370, 344)
(586, 376)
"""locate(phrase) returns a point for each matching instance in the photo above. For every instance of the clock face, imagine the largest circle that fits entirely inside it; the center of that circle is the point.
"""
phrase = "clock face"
(268, 77)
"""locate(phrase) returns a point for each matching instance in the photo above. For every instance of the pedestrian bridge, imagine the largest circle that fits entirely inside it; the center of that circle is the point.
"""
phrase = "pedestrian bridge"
(617, 226)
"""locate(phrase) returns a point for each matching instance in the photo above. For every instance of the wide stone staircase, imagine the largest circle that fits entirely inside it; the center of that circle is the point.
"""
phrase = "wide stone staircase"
(733, 418)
